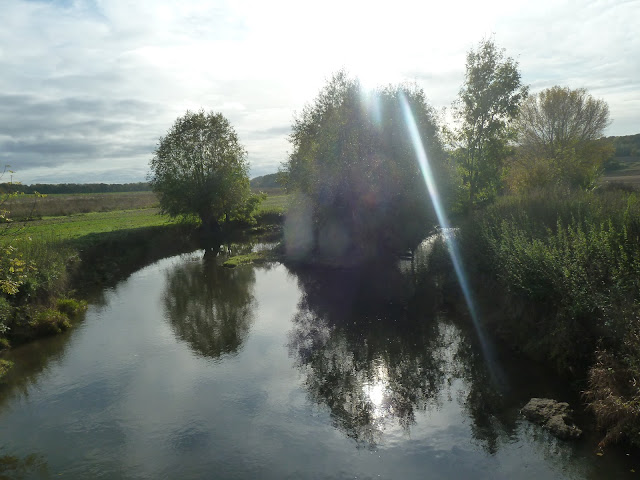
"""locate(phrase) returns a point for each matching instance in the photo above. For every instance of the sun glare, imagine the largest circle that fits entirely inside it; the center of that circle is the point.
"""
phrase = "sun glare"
(449, 236)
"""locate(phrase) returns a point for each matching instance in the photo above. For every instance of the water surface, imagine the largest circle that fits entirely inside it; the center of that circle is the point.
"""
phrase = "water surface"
(190, 370)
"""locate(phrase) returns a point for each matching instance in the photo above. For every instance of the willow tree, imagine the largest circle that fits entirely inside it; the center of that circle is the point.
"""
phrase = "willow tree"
(488, 101)
(200, 168)
(353, 166)
(560, 136)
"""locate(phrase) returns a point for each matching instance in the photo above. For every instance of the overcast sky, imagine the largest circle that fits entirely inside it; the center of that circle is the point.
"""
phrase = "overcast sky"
(88, 86)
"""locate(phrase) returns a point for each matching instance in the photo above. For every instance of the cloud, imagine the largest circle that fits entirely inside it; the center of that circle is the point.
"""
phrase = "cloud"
(50, 133)
(95, 83)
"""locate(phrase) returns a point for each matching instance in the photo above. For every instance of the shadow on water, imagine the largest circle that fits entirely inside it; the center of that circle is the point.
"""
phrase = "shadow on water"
(376, 355)
(211, 307)
(13, 467)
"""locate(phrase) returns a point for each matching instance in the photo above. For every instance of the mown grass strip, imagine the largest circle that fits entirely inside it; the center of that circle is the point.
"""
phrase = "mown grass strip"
(76, 226)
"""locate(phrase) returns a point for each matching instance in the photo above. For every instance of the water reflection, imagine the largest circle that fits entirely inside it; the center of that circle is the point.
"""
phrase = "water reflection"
(15, 467)
(365, 354)
(376, 359)
(208, 306)
(30, 362)
(491, 419)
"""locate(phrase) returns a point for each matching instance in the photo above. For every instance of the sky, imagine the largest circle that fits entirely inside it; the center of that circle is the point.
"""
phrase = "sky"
(89, 86)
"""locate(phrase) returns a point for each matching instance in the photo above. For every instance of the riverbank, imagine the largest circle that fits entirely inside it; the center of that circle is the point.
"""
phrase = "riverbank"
(48, 266)
(555, 275)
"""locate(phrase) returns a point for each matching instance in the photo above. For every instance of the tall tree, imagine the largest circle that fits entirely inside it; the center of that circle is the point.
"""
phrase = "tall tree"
(488, 100)
(560, 139)
(200, 168)
(353, 163)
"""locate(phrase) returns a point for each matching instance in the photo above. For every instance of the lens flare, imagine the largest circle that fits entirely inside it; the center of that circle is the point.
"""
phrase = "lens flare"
(448, 234)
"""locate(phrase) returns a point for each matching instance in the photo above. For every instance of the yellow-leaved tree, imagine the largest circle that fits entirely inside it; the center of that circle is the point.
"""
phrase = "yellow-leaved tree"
(560, 137)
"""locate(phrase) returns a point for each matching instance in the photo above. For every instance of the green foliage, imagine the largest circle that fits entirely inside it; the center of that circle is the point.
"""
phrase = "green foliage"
(626, 145)
(266, 182)
(489, 100)
(560, 140)
(568, 287)
(49, 322)
(200, 168)
(245, 259)
(70, 306)
(5, 366)
(360, 189)
(13, 270)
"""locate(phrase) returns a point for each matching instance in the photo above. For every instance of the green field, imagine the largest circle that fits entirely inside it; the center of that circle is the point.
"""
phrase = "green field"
(75, 226)
(275, 204)
(56, 205)
(104, 219)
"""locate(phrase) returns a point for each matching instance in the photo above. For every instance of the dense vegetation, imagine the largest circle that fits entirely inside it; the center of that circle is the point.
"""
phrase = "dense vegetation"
(200, 169)
(560, 273)
(488, 101)
(626, 145)
(265, 182)
(359, 190)
(558, 259)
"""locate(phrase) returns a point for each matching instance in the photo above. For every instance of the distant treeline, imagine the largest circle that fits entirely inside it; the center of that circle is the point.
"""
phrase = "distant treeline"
(626, 145)
(69, 188)
(265, 181)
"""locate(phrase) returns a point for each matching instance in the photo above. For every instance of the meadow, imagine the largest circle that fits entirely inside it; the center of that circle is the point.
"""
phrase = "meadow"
(58, 243)
(24, 207)
(627, 172)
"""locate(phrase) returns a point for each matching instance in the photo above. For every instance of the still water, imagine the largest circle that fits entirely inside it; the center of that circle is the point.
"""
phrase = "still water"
(187, 369)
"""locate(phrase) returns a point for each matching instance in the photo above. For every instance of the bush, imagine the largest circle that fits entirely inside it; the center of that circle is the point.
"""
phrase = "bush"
(614, 392)
(49, 322)
(580, 272)
(567, 266)
(70, 306)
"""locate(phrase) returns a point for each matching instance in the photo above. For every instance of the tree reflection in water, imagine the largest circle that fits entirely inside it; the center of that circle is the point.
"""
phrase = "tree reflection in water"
(376, 357)
(364, 353)
(209, 306)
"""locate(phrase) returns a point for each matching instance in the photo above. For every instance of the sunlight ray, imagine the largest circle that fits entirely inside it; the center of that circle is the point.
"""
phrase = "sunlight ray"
(448, 236)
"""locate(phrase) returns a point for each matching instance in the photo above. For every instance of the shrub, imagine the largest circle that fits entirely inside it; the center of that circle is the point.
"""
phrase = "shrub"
(567, 265)
(614, 391)
(49, 322)
(578, 272)
(70, 306)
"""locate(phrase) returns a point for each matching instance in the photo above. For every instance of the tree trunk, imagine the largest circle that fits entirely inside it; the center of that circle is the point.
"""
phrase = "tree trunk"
(210, 225)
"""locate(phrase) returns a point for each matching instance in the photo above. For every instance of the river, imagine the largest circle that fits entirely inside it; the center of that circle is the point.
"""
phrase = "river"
(187, 369)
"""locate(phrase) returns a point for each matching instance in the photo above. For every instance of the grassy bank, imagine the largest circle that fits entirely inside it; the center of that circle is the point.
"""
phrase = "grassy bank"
(558, 277)
(46, 263)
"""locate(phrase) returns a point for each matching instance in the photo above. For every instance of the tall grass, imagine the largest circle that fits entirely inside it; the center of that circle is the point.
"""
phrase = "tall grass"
(567, 266)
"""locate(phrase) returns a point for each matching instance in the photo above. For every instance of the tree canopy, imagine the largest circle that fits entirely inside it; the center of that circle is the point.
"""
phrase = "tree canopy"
(488, 100)
(353, 164)
(200, 168)
(559, 136)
